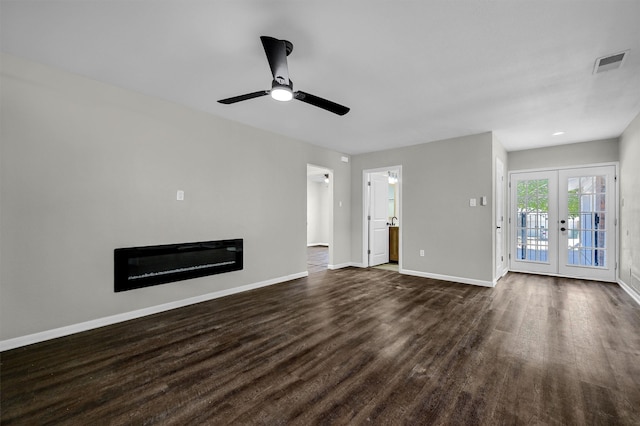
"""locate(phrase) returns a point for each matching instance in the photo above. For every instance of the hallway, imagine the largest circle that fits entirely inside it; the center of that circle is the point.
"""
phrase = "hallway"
(317, 259)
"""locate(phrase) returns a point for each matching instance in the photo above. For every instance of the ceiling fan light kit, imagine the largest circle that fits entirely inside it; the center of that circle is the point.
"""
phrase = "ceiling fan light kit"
(281, 86)
(280, 92)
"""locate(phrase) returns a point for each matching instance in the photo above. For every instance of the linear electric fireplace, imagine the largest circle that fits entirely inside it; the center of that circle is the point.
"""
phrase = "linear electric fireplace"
(137, 267)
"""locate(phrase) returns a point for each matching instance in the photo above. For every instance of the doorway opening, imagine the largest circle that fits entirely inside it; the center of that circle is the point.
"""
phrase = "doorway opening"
(382, 218)
(319, 218)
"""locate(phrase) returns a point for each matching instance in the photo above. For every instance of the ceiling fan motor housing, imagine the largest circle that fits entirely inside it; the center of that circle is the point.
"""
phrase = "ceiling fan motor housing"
(277, 85)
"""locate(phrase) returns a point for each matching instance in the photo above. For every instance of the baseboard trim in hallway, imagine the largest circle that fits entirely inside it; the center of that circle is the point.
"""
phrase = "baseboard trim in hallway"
(460, 280)
(340, 265)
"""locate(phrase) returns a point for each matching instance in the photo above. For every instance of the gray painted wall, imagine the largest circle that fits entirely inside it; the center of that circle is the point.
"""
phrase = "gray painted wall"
(87, 168)
(593, 152)
(438, 179)
(630, 204)
(318, 211)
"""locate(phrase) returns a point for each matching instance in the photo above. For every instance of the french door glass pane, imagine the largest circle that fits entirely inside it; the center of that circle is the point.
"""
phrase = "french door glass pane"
(532, 226)
(586, 209)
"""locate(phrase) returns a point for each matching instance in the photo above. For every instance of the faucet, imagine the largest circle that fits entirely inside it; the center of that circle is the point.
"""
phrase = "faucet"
(392, 221)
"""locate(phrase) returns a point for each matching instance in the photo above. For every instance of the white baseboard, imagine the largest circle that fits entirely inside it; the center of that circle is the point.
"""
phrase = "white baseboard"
(29, 339)
(448, 278)
(630, 291)
(340, 265)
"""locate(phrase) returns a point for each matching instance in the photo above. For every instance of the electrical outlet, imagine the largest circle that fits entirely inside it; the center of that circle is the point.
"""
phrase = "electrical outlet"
(180, 195)
(472, 202)
(422, 253)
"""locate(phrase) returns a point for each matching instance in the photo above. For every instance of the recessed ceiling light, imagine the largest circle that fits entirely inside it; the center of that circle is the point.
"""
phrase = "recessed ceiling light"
(558, 134)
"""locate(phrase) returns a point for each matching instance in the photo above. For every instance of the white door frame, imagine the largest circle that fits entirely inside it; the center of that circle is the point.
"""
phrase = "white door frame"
(501, 231)
(378, 219)
(365, 209)
(615, 203)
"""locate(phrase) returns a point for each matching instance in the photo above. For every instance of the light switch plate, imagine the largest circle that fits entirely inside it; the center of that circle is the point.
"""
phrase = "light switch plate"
(180, 195)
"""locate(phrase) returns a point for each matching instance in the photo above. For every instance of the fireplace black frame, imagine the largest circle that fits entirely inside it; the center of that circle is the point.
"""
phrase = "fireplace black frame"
(138, 267)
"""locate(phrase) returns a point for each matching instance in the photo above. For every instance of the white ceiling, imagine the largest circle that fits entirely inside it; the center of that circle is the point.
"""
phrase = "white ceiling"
(411, 71)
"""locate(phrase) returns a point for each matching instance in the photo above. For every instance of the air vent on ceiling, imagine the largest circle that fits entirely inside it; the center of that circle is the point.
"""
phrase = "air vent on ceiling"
(610, 62)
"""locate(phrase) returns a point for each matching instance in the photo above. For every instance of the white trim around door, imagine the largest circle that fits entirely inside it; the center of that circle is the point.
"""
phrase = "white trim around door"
(366, 175)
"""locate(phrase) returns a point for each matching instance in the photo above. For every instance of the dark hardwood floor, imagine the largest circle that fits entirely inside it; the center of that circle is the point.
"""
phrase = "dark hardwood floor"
(351, 346)
(317, 259)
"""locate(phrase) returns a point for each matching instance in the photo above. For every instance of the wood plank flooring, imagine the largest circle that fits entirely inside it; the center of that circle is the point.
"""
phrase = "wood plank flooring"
(350, 346)
(317, 259)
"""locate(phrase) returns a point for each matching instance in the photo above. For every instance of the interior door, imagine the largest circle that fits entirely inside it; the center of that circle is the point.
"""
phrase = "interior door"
(534, 230)
(587, 223)
(499, 209)
(378, 219)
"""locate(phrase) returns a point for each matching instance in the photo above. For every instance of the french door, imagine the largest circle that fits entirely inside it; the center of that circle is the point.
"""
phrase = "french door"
(563, 222)
(534, 238)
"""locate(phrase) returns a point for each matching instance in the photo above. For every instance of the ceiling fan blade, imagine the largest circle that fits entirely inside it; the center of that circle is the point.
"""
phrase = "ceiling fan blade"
(321, 103)
(276, 51)
(244, 97)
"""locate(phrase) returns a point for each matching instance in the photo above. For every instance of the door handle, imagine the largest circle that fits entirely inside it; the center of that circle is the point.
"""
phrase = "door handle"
(497, 227)
(563, 229)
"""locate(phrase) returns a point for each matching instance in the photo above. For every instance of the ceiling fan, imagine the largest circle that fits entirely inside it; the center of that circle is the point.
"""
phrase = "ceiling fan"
(281, 86)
